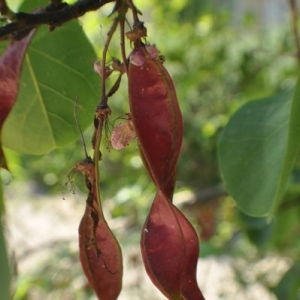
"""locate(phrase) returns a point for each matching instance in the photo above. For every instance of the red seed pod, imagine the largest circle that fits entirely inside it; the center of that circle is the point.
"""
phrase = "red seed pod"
(99, 251)
(100, 255)
(189, 287)
(10, 70)
(169, 243)
(156, 115)
(170, 251)
(162, 247)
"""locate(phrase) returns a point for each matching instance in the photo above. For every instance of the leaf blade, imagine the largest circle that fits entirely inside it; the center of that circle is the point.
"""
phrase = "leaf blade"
(253, 154)
(58, 70)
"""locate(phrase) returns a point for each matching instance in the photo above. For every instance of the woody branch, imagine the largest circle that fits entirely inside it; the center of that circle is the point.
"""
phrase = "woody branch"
(55, 14)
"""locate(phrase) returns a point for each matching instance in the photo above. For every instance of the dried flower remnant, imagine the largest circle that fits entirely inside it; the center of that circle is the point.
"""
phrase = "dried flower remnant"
(122, 135)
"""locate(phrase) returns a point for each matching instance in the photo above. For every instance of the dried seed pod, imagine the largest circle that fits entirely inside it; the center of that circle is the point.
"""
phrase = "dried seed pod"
(100, 255)
(99, 251)
(156, 116)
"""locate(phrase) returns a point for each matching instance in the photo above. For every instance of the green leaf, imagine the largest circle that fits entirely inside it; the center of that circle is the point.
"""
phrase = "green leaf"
(257, 150)
(5, 270)
(289, 286)
(57, 70)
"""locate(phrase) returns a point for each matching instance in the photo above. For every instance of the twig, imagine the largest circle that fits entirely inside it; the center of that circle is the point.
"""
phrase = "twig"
(103, 100)
(50, 15)
(122, 43)
(294, 19)
(3, 7)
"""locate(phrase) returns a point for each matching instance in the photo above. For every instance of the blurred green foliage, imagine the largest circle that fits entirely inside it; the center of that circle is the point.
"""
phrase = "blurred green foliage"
(4, 263)
(217, 67)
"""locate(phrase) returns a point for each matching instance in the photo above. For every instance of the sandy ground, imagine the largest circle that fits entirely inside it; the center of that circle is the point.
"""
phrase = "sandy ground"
(35, 223)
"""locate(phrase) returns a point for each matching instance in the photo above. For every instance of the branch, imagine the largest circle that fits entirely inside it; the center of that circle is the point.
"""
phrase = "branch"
(294, 19)
(3, 7)
(52, 15)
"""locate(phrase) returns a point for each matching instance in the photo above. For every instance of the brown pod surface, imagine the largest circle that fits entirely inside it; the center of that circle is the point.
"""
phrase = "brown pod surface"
(156, 115)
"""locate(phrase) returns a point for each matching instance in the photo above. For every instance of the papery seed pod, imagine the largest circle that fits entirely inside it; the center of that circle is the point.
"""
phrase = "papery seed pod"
(156, 116)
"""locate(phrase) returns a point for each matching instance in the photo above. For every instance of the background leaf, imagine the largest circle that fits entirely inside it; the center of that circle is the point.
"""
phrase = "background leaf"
(57, 70)
(257, 150)
(5, 271)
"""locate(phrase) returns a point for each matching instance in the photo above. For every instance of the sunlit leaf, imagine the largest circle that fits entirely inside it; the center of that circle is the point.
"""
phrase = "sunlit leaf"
(58, 68)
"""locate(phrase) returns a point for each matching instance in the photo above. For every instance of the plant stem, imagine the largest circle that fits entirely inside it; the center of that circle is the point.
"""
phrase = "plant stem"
(122, 43)
(49, 16)
(103, 100)
(294, 19)
(96, 158)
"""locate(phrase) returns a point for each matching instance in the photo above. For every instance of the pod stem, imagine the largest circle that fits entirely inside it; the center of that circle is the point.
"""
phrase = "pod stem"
(103, 100)
(101, 116)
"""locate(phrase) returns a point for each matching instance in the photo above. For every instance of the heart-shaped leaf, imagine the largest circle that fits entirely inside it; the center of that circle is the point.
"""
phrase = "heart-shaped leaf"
(57, 70)
(257, 150)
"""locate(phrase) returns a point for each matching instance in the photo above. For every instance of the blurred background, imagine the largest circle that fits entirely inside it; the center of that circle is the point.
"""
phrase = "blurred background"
(220, 54)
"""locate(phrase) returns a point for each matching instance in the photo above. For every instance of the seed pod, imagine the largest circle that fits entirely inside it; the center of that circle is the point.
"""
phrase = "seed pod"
(189, 288)
(156, 115)
(170, 251)
(100, 255)
(99, 251)
(162, 247)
